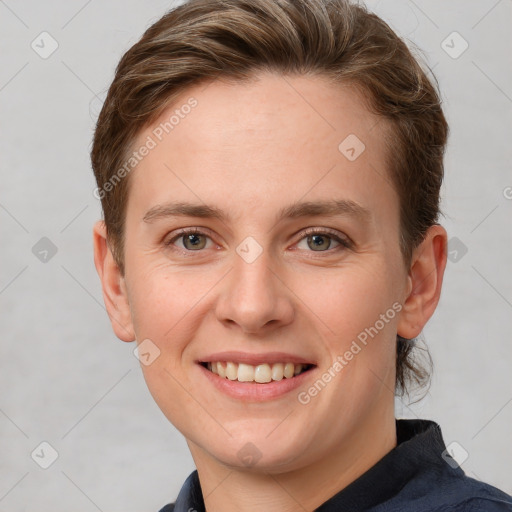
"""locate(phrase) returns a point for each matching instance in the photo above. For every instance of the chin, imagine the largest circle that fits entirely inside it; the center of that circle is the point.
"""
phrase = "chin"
(259, 452)
(251, 459)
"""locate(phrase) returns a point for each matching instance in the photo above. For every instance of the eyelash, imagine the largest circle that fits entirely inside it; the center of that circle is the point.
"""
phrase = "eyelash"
(345, 243)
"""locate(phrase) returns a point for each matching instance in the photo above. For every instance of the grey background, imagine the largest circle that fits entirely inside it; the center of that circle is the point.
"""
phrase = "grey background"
(67, 380)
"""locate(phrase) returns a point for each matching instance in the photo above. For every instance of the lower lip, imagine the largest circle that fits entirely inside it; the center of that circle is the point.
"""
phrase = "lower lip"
(254, 391)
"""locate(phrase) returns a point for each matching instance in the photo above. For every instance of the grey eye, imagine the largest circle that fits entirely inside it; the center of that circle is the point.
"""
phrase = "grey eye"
(194, 241)
(319, 242)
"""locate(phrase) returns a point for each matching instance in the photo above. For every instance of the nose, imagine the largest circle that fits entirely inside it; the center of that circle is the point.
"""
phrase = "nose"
(255, 297)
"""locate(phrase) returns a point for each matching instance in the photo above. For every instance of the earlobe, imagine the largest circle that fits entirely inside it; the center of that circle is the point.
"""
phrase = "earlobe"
(425, 280)
(113, 285)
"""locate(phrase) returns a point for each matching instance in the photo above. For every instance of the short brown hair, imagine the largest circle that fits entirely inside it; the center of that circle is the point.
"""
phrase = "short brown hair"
(202, 40)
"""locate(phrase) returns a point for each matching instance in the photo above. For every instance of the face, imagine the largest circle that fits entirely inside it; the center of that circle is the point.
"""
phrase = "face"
(261, 232)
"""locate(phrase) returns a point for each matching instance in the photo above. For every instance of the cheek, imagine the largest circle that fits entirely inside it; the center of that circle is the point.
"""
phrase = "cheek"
(350, 299)
(162, 300)
(360, 311)
(165, 309)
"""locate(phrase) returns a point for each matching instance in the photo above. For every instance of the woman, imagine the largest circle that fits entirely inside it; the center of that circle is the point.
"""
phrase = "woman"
(269, 175)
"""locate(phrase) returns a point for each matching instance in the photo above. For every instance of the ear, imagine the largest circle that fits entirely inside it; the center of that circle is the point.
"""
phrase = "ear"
(425, 279)
(113, 284)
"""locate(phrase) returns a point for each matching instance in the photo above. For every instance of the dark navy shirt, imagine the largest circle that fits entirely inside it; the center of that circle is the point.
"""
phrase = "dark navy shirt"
(417, 475)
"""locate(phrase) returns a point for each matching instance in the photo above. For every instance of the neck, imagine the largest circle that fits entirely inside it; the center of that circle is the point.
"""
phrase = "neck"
(228, 489)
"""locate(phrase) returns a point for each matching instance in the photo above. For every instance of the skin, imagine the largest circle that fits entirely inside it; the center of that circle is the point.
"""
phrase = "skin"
(251, 149)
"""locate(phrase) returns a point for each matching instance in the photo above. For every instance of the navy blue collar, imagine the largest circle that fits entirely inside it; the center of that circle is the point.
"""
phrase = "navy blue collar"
(418, 474)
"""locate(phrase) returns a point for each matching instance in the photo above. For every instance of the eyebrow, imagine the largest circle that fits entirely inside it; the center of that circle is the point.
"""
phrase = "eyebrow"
(330, 208)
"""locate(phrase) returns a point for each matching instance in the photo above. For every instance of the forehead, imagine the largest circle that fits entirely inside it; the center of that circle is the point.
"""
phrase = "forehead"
(274, 138)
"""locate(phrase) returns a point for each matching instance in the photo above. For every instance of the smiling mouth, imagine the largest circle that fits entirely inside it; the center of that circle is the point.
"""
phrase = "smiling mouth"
(261, 373)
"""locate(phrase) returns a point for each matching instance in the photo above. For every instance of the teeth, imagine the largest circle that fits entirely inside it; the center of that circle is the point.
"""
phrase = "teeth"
(231, 371)
(245, 372)
(277, 371)
(289, 370)
(261, 373)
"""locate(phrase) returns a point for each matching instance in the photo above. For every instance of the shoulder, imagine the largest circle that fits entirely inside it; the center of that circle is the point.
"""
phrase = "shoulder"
(469, 495)
(478, 505)
(167, 508)
(438, 482)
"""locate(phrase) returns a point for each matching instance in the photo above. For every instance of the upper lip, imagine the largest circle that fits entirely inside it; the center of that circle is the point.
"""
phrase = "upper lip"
(255, 359)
